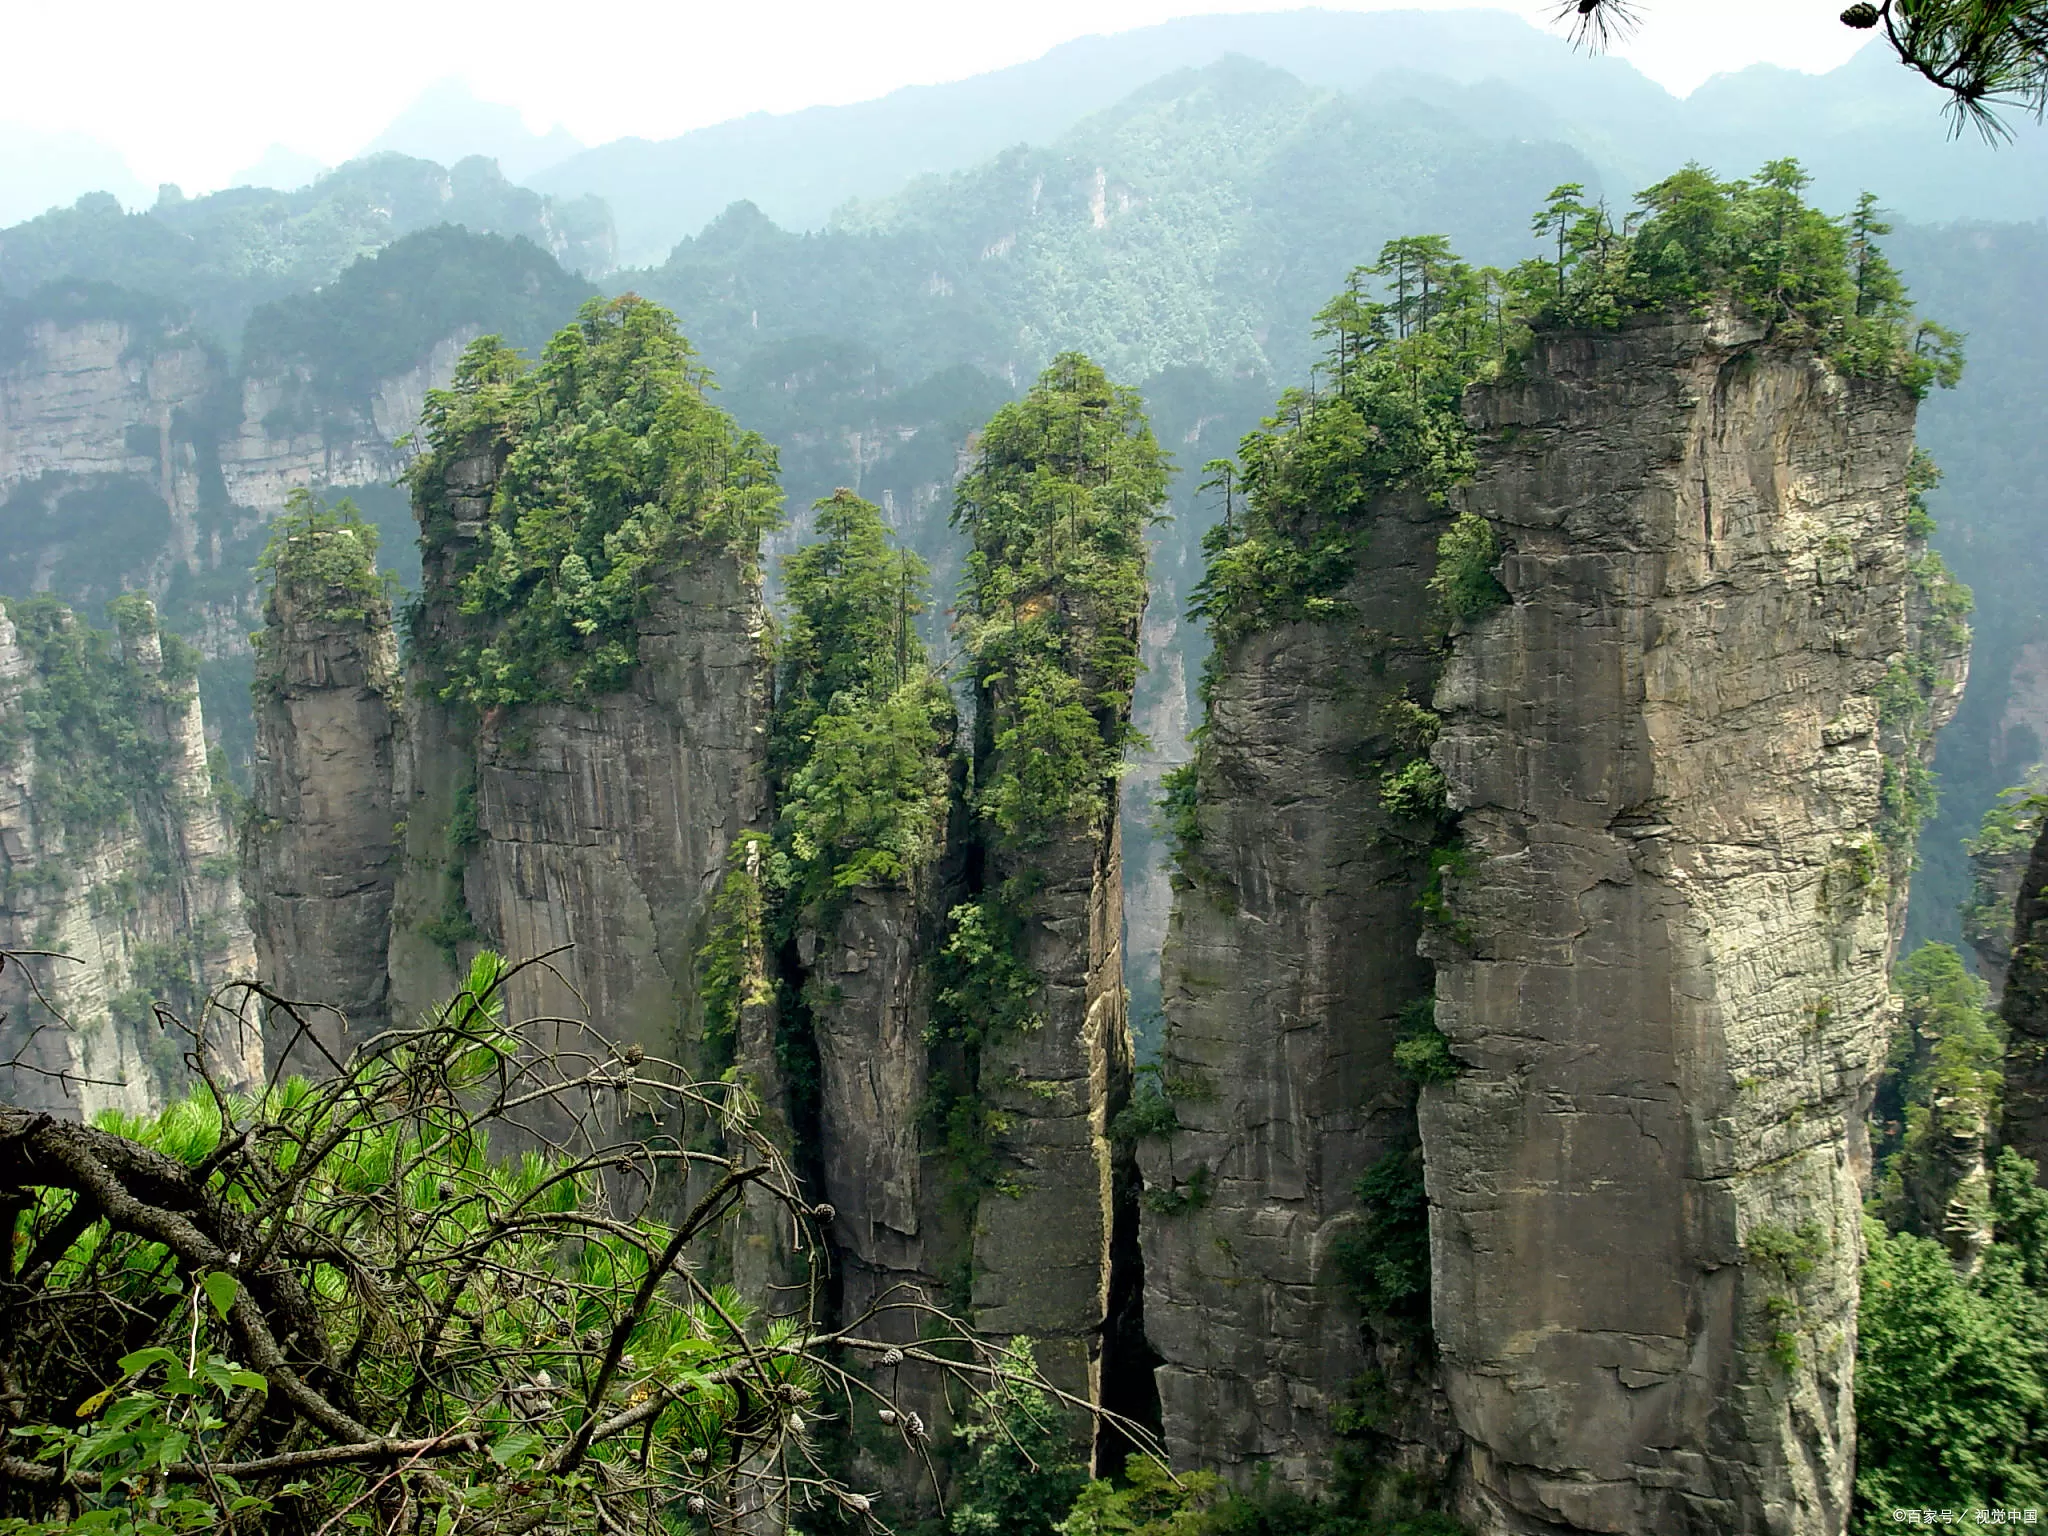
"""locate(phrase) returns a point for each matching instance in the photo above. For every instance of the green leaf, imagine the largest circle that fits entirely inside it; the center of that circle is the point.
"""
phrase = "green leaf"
(514, 1447)
(220, 1290)
(140, 1360)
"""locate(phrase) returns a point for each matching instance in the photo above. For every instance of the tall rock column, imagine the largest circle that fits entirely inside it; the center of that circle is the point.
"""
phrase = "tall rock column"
(1043, 1237)
(1065, 483)
(2025, 1009)
(322, 853)
(1290, 960)
(1663, 963)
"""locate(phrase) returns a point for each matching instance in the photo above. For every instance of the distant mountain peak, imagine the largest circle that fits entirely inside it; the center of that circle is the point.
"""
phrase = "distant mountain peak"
(448, 122)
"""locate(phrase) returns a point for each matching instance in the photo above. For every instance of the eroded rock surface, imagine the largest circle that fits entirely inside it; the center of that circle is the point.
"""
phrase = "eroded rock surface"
(1665, 962)
(321, 861)
(1042, 1244)
(1290, 959)
(143, 910)
(2025, 1010)
(597, 834)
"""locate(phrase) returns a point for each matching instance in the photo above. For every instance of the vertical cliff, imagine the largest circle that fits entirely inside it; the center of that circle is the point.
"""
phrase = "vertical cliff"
(1999, 856)
(1064, 485)
(1664, 972)
(1287, 971)
(2025, 1010)
(321, 856)
(591, 685)
(115, 859)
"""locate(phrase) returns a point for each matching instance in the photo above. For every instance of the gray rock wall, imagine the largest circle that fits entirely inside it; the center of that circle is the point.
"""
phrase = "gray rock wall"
(1666, 965)
(600, 832)
(1042, 1243)
(2025, 1009)
(321, 858)
(1291, 954)
(142, 912)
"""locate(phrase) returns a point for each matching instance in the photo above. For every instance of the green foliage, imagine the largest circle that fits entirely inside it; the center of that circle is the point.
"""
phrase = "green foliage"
(984, 989)
(1150, 1112)
(1952, 1369)
(1401, 364)
(863, 729)
(452, 926)
(1384, 1259)
(1812, 281)
(326, 556)
(1416, 791)
(2005, 836)
(531, 1324)
(1783, 1260)
(1179, 1198)
(1944, 1076)
(1066, 482)
(87, 713)
(1940, 610)
(1422, 1052)
(1464, 582)
(1022, 1478)
(615, 466)
(1151, 1501)
(732, 963)
(1180, 799)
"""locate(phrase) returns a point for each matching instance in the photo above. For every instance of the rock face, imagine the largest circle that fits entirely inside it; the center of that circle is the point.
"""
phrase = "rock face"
(605, 828)
(2026, 1016)
(1665, 965)
(1290, 959)
(144, 904)
(1042, 1245)
(870, 1012)
(322, 861)
(102, 407)
(1999, 857)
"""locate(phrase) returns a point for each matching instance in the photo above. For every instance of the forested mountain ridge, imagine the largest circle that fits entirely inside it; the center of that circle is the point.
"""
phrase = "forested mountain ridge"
(1510, 78)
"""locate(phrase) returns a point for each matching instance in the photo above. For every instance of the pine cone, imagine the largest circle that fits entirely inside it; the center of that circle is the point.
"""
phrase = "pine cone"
(1860, 16)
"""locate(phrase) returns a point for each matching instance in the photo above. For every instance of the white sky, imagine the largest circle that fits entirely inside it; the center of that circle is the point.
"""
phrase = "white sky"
(194, 90)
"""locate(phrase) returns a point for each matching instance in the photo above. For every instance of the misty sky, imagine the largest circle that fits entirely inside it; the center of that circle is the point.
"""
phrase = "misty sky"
(193, 92)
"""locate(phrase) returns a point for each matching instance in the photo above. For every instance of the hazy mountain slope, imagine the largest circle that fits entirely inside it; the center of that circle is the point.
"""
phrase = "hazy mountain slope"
(1869, 123)
(221, 256)
(1991, 438)
(447, 122)
(1200, 221)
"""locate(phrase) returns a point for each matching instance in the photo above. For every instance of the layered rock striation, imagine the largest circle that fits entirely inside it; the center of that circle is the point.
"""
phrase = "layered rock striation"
(322, 857)
(1290, 961)
(1663, 965)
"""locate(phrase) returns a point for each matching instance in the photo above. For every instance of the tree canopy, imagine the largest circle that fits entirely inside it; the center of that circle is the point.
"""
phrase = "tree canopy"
(614, 465)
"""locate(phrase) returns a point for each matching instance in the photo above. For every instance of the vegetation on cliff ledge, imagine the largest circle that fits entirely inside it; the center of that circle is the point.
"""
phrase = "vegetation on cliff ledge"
(612, 466)
(1952, 1339)
(87, 712)
(1411, 332)
(326, 557)
(863, 725)
(1064, 486)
